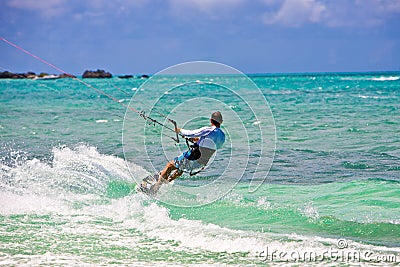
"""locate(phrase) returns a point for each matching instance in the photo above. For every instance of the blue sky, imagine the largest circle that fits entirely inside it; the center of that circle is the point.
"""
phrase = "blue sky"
(254, 36)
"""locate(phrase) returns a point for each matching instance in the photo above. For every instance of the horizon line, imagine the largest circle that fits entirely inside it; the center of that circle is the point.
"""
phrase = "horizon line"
(251, 74)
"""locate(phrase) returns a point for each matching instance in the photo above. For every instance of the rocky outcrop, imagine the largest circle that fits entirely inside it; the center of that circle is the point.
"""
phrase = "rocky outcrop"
(144, 76)
(125, 76)
(96, 74)
(11, 75)
(8, 75)
(33, 76)
(66, 75)
(45, 76)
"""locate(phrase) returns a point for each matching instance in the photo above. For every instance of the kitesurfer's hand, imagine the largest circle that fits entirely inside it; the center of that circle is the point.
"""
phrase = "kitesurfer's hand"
(194, 139)
(177, 130)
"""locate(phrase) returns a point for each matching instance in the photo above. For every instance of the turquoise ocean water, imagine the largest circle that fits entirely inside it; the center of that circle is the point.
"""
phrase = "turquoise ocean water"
(331, 197)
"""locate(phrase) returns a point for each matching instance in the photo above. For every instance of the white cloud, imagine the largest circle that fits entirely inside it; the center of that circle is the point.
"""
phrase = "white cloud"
(34, 4)
(47, 9)
(119, 6)
(204, 5)
(393, 6)
(338, 13)
(289, 13)
(212, 8)
(297, 12)
(366, 13)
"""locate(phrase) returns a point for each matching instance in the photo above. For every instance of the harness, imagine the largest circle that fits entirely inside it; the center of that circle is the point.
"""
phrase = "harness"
(194, 153)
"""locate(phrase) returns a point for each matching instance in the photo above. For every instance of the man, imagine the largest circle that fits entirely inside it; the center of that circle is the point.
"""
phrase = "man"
(207, 140)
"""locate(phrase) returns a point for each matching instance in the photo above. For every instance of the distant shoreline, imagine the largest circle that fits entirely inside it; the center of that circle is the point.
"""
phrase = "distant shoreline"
(98, 74)
(101, 74)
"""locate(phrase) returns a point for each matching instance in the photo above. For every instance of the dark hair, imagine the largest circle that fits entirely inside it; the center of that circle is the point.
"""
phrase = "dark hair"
(216, 123)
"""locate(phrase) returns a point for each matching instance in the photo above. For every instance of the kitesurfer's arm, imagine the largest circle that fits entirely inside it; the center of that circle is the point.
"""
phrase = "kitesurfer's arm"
(196, 133)
(193, 139)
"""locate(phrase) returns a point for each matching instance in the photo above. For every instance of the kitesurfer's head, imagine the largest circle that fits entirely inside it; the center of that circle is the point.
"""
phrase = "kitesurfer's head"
(216, 118)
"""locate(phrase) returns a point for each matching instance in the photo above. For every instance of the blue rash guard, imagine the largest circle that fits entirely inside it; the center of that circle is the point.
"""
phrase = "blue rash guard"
(211, 139)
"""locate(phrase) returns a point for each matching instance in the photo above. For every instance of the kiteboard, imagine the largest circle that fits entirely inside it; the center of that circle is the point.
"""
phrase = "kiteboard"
(147, 184)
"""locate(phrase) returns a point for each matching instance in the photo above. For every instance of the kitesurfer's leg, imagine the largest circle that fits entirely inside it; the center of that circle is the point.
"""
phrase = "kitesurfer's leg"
(167, 170)
(175, 175)
(164, 175)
